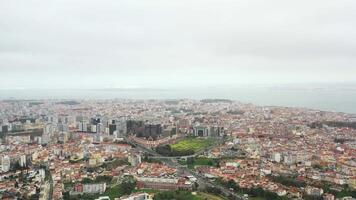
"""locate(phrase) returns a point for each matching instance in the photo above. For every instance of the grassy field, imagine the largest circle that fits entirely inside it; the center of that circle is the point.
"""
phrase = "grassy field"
(194, 144)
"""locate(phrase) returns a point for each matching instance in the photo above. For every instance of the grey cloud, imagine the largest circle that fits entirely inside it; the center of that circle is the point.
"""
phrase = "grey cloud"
(155, 43)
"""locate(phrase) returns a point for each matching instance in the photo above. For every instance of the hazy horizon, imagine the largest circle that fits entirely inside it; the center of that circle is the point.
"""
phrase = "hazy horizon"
(269, 53)
(336, 99)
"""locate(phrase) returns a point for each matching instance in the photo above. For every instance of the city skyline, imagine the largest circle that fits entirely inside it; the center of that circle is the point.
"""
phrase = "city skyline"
(178, 100)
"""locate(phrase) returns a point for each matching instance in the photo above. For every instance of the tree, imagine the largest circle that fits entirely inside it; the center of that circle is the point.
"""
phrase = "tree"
(164, 150)
(214, 190)
(128, 185)
(231, 184)
(190, 161)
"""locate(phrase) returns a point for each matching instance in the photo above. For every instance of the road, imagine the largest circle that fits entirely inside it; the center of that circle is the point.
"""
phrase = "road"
(172, 162)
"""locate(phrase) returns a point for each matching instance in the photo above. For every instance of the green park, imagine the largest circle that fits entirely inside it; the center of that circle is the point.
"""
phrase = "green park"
(187, 146)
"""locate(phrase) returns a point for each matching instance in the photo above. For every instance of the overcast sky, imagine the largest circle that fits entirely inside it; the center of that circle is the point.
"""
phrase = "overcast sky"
(140, 43)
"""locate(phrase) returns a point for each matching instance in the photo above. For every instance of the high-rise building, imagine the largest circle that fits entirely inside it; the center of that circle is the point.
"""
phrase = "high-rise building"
(152, 131)
(112, 128)
(82, 126)
(23, 161)
(133, 127)
(3, 131)
(93, 128)
(94, 121)
(5, 128)
(5, 163)
(140, 129)
(100, 128)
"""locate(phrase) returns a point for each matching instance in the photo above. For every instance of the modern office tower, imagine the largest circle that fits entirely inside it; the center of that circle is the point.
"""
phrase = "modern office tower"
(152, 131)
(140, 129)
(5, 128)
(93, 128)
(106, 131)
(94, 121)
(100, 128)
(121, 128)
(4, 131)
(85, 126)
(112, 128)
(79, 126)
(23, 161)
(82, 126)
(133, 127)
(5, 163)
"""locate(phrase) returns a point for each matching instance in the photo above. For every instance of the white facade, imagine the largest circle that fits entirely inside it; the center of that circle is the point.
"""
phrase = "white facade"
(142, 196)
(93, 128)
(5, 163)
(23, 161)
(94, 188)
(276, 157)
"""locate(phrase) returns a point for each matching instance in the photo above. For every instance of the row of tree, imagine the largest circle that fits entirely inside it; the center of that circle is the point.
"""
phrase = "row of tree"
(287, 181)
(173, 195)
(254, 192)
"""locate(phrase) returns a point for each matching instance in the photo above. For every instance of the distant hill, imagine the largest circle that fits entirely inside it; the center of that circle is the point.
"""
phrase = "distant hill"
(216, 101)
(68, 102)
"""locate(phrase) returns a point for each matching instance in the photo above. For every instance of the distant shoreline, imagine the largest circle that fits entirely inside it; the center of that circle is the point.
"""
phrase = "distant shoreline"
(324, 100)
